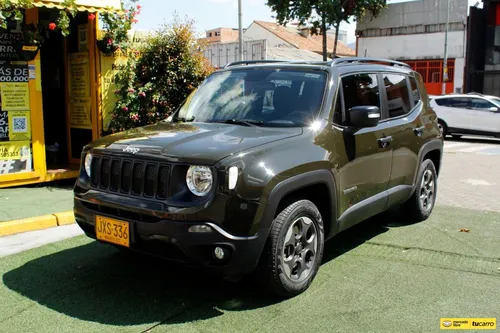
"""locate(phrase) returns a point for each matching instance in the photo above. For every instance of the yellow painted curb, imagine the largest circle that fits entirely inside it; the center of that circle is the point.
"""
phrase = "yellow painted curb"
(65, 218)
(29, 224)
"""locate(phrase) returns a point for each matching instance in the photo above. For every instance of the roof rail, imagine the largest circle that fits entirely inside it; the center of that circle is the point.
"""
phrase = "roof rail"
(376, 60)
(251, 62)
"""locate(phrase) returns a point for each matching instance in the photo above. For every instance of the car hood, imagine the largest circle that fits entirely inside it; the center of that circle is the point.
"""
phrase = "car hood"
(204, 143)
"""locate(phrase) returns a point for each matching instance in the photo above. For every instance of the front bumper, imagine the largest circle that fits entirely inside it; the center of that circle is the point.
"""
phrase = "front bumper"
(171, 240)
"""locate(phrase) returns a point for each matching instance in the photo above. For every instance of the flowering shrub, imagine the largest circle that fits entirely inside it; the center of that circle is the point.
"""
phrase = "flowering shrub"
(116, 26)
(157, 78)
(14, 10)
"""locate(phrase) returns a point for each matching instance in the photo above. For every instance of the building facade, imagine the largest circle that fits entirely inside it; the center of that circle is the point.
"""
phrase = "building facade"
(51, 102)
(414, 32)
(483, 51)
(294, 37)
(221, 35)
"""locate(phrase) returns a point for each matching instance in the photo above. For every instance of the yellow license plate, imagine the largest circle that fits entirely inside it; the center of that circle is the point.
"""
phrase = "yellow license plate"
(112, 231)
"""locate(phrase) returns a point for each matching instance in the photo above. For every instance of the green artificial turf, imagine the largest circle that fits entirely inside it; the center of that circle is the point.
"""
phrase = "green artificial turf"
(381, 276)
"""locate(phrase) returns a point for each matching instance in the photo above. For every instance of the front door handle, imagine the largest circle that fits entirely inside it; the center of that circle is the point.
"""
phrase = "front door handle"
(419, 130)
(384, 142)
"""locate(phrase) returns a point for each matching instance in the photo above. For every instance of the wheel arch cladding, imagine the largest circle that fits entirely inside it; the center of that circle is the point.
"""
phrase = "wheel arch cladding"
(435, 157)
(432, 150)
(317, 186)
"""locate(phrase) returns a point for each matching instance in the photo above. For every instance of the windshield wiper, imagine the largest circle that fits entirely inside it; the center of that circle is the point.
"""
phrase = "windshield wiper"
(246, 122)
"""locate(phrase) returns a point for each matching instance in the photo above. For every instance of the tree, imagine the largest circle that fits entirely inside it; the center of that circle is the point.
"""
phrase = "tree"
(159, 76)
(343, 10)
(306, 12)
(322, 14)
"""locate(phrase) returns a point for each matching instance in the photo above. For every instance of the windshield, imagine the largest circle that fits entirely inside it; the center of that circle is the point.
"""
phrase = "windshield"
(273, 97)
(495, 101)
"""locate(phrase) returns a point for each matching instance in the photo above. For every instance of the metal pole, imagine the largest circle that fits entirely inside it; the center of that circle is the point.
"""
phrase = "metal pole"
(445, 64)
(240, 28)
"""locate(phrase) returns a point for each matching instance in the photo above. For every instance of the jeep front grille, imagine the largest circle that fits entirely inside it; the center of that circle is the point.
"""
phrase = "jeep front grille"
(131, 177)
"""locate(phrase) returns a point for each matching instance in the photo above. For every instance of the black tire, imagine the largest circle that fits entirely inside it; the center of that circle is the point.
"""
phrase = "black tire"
(444, 127)
(273, 271)
(414, 209)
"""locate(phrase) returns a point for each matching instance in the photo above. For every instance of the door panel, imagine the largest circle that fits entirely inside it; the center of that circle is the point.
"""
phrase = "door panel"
(454, 111)
(404, 125)
(365, 175)
(481, 118)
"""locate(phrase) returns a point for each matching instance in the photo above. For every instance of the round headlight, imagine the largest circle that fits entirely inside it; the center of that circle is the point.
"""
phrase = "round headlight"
(199, 180)
(88, 164)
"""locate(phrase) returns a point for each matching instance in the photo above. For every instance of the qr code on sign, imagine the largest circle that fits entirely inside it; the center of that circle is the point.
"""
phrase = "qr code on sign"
(20, 124)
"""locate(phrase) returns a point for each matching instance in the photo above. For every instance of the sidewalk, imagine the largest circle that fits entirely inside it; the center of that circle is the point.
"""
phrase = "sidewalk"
(35, 207)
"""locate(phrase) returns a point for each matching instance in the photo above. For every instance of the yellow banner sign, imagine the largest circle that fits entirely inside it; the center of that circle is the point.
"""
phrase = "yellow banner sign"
(79, 75)
(109, 68)
(15, 96)
(468, 323)
(79, 113)
(14, 150)
(19, 126)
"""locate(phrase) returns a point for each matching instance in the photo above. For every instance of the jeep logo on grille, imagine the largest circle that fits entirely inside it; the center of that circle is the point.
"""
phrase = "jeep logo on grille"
(130, 149)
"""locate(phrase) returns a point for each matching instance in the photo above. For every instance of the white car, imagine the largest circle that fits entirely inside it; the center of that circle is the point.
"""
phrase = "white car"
(462, 114)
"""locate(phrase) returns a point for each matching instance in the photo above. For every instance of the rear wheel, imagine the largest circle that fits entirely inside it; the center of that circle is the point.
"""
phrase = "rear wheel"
(294, 249)
(419, 207)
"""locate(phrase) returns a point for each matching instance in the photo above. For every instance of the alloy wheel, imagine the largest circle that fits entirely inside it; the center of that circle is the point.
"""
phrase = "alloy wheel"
(299, 249)
(427, 190)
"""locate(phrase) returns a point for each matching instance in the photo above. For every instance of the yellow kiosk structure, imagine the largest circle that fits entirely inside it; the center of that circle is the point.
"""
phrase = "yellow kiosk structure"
(51, 105)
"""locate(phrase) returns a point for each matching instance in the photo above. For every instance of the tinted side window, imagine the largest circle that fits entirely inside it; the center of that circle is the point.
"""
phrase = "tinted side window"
(481, 104)
(458, 102)
(414, 90)
(337, 114)
(398, 96)
(360, 89)
(442, 101)
(454, 102)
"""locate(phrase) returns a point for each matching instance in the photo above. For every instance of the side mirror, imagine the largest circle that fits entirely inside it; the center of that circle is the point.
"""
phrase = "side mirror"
(493, 109)
(364, 116)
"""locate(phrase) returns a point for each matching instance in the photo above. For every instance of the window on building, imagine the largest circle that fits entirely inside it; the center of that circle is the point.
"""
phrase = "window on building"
(398, 95)
(209, 34)
(360, 89)
(217, 33)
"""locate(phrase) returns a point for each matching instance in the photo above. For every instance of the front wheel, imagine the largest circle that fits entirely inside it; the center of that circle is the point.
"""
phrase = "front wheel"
(419, 207)
(294, 249)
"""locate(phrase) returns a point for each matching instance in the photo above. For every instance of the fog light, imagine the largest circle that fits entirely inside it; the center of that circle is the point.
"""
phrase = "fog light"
(200, 228)
(219, 253)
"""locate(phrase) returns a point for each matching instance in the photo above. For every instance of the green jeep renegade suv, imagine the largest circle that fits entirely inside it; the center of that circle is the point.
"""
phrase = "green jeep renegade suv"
(262, 164)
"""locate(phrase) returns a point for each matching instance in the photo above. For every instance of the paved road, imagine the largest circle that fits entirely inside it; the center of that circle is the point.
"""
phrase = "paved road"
(470, 174)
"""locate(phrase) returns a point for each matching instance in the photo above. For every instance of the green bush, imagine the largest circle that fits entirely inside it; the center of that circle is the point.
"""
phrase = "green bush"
(158, 77)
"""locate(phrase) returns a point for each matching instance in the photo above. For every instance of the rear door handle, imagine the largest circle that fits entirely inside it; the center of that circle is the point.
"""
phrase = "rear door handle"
(384, 142)
(419, 130)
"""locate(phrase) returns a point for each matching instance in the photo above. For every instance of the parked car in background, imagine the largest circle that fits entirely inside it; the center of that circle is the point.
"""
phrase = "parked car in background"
(461, 114)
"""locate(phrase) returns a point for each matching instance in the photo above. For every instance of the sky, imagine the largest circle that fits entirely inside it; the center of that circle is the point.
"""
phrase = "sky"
(209, 14)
